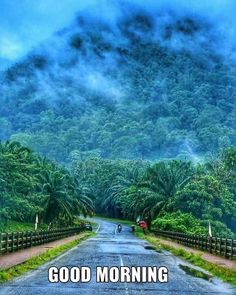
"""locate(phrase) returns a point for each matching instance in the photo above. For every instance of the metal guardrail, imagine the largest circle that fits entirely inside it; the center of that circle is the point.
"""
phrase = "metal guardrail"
(14, 241)
(220, 246)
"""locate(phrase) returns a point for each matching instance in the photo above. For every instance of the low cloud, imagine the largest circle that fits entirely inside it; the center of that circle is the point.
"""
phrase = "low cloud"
(26, 23)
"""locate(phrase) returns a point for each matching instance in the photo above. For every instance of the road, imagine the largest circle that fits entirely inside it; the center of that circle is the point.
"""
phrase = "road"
(111, 249)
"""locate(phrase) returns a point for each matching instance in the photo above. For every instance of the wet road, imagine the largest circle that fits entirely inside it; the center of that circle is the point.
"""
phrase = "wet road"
(110, 249)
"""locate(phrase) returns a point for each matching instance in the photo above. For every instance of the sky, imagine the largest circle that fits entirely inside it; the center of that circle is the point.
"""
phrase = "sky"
(26, 23)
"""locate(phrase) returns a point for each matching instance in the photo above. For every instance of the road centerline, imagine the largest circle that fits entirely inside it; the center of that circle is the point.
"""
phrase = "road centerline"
(126, 286)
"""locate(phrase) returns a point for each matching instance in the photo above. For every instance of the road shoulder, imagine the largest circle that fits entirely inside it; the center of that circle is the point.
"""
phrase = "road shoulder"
(32, 258)
(217, 266)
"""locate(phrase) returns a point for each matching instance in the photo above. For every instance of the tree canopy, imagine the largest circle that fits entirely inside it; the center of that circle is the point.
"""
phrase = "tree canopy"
(32, 185)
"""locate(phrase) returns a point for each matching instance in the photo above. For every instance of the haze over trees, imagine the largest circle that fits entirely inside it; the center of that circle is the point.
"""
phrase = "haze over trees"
(148, 84)
(140, 109)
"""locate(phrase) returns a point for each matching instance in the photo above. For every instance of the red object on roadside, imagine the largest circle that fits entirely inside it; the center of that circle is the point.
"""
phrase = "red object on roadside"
(143, 224)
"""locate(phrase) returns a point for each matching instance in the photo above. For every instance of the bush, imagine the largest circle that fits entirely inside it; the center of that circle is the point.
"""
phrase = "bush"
(180, 222)
(187, 223)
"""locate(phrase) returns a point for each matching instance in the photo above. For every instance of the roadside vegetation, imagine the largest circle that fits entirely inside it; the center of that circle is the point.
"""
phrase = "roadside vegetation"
(226, 274)
(31, 185)
(17, 226)
(137, 104)
(171, 195)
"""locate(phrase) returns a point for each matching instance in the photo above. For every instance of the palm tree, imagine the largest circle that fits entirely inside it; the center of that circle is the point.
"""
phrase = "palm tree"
(82, 199)
(14, 147)
(127, 177)
(161, 183)
(58, 204)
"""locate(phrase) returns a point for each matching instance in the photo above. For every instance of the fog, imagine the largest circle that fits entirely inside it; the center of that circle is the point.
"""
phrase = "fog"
(26, 23)
(113, 54)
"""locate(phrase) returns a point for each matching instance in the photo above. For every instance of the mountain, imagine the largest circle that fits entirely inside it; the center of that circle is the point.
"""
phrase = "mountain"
(144, 84)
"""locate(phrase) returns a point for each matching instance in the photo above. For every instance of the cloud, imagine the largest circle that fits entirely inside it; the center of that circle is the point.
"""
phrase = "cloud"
(25, 23)
(10, 48)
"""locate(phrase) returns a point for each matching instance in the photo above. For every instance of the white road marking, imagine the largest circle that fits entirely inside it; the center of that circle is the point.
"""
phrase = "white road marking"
(97, 228)
(126, 287)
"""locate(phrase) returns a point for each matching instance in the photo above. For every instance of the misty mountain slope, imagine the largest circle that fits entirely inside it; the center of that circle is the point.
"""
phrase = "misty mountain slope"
(146, 84)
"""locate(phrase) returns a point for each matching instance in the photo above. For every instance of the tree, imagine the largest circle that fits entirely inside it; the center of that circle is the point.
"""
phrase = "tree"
(162, 181)
(58, 205)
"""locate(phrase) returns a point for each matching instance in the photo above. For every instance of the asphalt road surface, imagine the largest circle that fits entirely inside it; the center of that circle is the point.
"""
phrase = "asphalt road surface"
(111, 249)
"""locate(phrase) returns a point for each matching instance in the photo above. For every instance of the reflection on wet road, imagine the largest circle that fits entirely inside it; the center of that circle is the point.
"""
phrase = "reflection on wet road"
(111, 249)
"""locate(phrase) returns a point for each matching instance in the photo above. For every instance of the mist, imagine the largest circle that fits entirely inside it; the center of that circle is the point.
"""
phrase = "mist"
(163, 69)
(24, 24)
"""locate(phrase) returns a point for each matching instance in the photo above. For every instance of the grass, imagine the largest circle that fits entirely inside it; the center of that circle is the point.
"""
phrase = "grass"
(195, 272)
(16, 226)
(33, 263)
(227, 275)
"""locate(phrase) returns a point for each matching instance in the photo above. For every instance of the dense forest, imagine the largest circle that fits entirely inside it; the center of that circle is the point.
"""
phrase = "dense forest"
(171, 195)
(146, 85)
(127, 116)
(31, 185)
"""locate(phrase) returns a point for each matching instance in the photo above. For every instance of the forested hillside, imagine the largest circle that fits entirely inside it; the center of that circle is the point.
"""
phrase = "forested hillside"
(146, 84)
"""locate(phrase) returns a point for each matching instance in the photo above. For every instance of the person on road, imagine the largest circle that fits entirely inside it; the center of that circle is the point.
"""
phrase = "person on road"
(119, 228)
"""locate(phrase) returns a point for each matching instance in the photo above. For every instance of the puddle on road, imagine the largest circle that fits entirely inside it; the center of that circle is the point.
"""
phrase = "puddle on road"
(195, 272)
(149, 247)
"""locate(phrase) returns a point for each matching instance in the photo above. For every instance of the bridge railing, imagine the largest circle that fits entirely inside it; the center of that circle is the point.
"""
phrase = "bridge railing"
(216, 245)
(14, 241)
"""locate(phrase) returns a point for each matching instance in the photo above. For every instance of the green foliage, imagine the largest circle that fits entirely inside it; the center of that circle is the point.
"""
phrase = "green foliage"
(133, 97)
(162, 181)
(31, 185)
(97, 103)
(16, 226)
(205, 196)
(172, 195)
(180, 222)
(104, 179)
